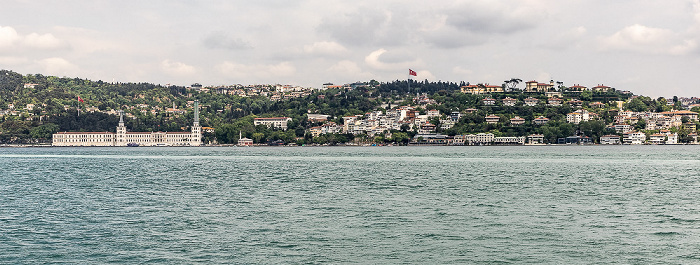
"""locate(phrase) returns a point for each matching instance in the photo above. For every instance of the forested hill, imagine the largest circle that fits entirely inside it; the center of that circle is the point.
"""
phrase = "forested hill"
(34, 106)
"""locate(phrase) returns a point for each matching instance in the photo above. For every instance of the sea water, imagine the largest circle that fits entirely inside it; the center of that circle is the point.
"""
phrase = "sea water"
(349, 205)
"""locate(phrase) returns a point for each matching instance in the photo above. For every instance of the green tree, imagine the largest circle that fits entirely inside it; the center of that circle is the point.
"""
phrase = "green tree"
(44, 131)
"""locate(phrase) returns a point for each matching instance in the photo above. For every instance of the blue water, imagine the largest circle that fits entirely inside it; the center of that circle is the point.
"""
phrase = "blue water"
(349, 205)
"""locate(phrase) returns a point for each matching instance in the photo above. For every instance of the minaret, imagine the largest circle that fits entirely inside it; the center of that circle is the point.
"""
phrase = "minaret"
(121, 131)
(196, 113)
(196, 139)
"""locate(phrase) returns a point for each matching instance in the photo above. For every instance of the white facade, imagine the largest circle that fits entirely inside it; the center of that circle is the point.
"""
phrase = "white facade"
(610, 139)
(124, 138)
(277, 122)
(634, 138)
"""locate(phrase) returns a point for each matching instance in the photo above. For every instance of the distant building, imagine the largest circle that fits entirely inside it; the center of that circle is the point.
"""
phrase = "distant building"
(275, 122)
(492, 119)
(124, 138)
(541, 120)
(534, 86)
(610, 139)
(508, 101)
(596, 105)
(577, 88)
(517, 121)
(530, 101)
(601, 88)
(242, 141)
(575, 140)
(555, 102)
(634, 138)
(317, 117)
(535, 139)
(489, 101)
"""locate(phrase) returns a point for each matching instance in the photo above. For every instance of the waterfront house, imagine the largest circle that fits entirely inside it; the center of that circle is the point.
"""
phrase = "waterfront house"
(610, 139)
(479, 139)
(535, 139)
(634, 138)
(575, 139)
(509, 140)
(657, 138)
(672, 138)
(430, 139)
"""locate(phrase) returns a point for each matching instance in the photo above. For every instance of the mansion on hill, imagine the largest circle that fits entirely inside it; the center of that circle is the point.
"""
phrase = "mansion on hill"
(124, 138)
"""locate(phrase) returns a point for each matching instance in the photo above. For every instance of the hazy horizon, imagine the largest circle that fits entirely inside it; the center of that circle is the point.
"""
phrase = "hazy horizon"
(647, 47)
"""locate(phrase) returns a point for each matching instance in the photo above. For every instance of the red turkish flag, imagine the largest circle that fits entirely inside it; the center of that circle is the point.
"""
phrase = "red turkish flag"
(411, 72)
(80, 99)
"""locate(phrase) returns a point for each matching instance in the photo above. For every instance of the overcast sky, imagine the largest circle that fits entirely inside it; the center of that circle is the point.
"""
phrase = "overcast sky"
(649, 47)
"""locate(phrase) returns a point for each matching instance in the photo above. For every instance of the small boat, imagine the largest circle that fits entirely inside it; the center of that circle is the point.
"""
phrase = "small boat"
(132, 144)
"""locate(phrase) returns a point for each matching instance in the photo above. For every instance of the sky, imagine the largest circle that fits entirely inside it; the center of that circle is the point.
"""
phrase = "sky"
(649, 47)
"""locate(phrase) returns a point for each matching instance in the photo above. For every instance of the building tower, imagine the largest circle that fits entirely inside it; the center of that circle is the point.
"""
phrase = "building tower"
(121, 131)
(196, 138)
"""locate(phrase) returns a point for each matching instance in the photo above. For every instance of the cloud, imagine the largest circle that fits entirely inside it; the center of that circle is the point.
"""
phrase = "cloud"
(568, 38)
(8, 37)
(490, 18)
(244, 71)
(365, 26)
(443, 25)
(177, 68)
(393, 63)
(349, 69)
(59, 67)
(88, 41)
(325, 48)
(12, 60)
(424, 74)
(462, 71)
(643, 39)
(45, 41)
(220, 40)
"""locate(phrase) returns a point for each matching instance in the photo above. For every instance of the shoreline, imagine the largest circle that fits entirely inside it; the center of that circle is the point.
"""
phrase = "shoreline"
(265, 146)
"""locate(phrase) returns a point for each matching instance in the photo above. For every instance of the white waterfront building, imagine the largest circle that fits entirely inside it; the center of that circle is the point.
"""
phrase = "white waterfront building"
(124, 138)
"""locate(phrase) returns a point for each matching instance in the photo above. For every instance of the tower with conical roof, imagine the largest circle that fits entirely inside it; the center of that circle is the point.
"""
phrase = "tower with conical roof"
(196, 138)
(121, 131)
